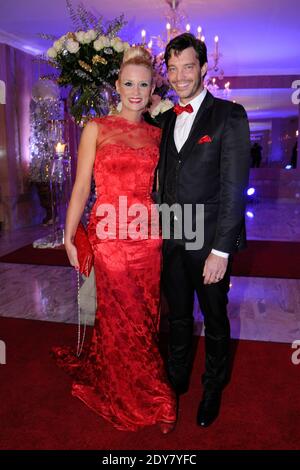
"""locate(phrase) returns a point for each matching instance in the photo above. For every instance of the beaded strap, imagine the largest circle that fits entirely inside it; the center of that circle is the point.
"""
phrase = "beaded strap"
(79, 341)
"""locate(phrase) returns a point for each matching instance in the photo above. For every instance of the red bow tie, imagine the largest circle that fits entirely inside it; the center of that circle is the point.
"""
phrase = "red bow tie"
(180, 109)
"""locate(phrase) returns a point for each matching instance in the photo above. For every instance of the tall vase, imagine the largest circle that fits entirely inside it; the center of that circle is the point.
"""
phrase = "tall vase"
(60, 188)
(43, 190)
(86, 102)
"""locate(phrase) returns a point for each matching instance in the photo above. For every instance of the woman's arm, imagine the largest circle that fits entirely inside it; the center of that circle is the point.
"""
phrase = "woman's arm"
(81, 188)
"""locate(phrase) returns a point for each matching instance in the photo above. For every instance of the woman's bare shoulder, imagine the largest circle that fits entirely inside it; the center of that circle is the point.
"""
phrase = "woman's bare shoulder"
(91, 128)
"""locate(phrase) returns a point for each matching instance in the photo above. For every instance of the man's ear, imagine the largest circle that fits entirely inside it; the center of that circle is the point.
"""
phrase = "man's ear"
(204, 69)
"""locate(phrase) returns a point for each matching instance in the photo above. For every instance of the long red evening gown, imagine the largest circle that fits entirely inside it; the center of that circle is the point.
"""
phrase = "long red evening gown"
(123, 377)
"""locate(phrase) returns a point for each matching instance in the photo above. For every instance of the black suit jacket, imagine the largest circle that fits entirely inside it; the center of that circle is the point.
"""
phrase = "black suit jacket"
(213, 173)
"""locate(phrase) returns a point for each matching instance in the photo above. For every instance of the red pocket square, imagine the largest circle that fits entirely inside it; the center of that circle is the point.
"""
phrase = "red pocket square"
(205, 139)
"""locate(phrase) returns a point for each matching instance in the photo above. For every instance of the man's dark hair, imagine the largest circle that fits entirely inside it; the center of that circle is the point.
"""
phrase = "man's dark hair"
(183, 41)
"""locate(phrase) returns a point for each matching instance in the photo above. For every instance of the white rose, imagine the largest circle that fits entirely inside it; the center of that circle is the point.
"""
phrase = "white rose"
(119, 47)
(51, 53)
(117, 44)
(155, 111)
(101, 43)
(72, 46)
(92, 34)
(80, 36)
(106, 41)
(126, 46)
(98, 45)
(86, 38)
(162, 107)
(58, 45)
(166, 105)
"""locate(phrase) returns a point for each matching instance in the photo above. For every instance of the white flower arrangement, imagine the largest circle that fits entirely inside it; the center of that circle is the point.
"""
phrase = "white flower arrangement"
(72, 42)
(89, 62)
(162, 107)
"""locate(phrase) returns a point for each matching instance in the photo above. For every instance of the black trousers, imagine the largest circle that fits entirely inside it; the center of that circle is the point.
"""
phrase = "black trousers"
(182, 276)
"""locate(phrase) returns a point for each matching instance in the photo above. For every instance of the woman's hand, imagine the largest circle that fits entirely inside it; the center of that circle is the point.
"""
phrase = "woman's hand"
(72, 254)
(81, 189)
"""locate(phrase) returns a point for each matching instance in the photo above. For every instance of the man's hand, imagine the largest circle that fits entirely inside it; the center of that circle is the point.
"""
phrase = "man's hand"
(214, 268)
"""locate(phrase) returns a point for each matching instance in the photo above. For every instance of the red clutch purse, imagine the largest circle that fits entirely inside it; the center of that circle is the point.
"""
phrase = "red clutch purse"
(84, 250)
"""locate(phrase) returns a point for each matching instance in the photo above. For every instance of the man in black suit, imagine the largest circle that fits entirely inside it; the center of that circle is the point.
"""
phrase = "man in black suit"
(205, 160)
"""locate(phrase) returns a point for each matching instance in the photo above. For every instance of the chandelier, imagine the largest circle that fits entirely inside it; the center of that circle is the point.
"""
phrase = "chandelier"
(177, 23)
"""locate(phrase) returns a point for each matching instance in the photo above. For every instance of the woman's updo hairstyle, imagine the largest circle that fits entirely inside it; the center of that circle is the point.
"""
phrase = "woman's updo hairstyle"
(137, 55)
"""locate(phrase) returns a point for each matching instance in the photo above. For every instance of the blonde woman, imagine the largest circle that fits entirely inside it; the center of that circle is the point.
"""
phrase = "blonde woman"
(124, 376)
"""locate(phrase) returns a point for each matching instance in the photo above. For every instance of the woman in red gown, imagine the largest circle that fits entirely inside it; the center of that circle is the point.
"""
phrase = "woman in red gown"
(124, 376)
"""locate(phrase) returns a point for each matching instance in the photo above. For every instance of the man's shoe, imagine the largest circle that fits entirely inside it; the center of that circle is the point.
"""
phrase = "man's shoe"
(209, 408)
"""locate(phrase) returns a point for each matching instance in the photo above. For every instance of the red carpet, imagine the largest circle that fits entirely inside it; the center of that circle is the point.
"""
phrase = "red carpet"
(29, 255)
(260, 407)
(262, 259)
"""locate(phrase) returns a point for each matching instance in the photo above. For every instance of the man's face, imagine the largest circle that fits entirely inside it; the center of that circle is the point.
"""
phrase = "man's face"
(185, 74)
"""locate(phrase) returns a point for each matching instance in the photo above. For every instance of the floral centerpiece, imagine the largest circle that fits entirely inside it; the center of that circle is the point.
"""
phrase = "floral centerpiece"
(88, 61)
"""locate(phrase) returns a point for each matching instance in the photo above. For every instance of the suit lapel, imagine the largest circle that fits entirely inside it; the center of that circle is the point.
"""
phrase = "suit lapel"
(198, 124)
(169, 127)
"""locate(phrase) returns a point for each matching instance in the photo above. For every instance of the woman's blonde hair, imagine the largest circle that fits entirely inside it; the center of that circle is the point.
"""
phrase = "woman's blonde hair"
(137, 55)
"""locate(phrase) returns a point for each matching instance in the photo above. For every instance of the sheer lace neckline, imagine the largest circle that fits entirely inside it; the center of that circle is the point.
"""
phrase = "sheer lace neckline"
(138, 123)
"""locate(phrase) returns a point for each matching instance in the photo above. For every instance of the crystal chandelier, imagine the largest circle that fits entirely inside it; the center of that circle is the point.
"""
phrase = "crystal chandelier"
(177, 23)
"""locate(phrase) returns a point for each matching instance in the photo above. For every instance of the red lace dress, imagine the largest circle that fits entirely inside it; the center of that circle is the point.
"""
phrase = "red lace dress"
(123, 377)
